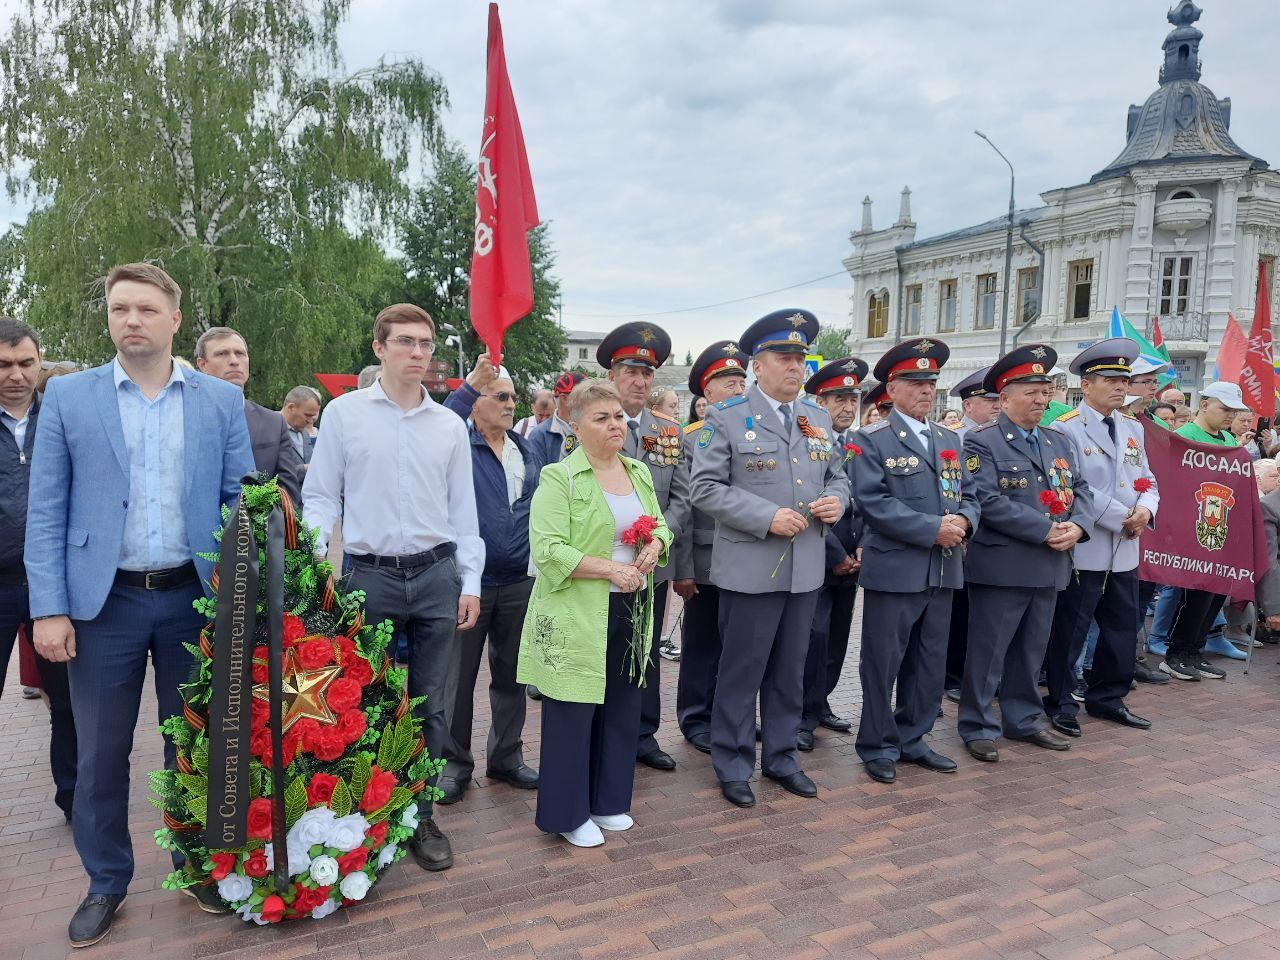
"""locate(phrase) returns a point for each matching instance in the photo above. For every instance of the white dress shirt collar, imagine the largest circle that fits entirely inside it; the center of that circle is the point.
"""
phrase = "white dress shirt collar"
(778, 404)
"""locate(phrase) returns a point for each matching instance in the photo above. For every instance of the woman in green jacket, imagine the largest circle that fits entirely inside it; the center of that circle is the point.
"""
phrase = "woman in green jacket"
(577, 639)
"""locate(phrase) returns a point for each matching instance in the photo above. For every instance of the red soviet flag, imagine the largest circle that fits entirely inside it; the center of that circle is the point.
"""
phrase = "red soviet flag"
(1257, 375)
(501, 277)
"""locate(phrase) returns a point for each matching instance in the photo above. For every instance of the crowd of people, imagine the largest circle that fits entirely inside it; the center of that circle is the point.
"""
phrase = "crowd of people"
(996, 548)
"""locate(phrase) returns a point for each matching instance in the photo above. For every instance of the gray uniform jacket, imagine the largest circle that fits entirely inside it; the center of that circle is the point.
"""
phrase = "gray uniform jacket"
(902, 494)
(1006, 479)
(691, 554)
(659, 444)
(1110, 468)
(741, 482)
(1268, 590)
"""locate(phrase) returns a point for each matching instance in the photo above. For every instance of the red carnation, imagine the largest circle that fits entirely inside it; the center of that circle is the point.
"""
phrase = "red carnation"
(344, 695)
(378, 790)
(260, 819)
(291, 746)
(1048, 498)
(294, 629)
(315, 654)
(259, 664)
(948, 454)
(852, 450)
(640, 532)
(256, 865)
(308, 899)
(1142, 485)
(223, 864)
(346, 649)
(320, 789)
(353, 861)
(352, 725)
(328, 744)
(306, 728)
(273, 909)
(377, 833)
(358, 669)
(260, 713)
(260, 746)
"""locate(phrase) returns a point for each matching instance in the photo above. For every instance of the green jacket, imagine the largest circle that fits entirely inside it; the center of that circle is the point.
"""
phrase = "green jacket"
(562, 646)
(1054, 411)
(1193, 432)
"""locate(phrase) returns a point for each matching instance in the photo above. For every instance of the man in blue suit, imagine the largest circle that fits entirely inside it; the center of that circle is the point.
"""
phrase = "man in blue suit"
(134, 460)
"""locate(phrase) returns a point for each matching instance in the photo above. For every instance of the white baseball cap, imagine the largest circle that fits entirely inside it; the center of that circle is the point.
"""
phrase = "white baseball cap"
(1228, 394)
(1143, 366)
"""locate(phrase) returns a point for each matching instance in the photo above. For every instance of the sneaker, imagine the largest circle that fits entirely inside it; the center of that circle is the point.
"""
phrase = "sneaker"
(1179, 669)
(616, 822)
(670, 651)
(1078, 693)
(1208, 670)
(587, 835)
(30, 693)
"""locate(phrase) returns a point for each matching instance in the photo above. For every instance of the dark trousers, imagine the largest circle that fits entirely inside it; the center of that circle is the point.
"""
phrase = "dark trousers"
(699, 661)
(587, 764)
(423, 604)
(828, 644)
(1192, 620)
(957, 640)
(501, 619)
(650, 693)
(765, 639)
(15, 613)
(904, 644)
(1116, 610)
(106, 677)
(1008, 635)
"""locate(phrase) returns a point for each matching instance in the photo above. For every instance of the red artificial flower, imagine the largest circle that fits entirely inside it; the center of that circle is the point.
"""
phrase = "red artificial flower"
(948, 454)
(314, 654)
(308, 899)
(328, 744)
(377, 833)
(273, 909)
(256, 865)
(320, 789)
(378, 790)
(260, 713)
(223, 864)
(291, 746)
(357, 668)
(1142, 485)
(352, 725)
(346, 649)
(260, 746)
(852, 450)
(343, 694)
(259, 664)
(260, 819)
(294, 629)
(1048, 498)
(353, 861)
(306, 728)
(640, 532)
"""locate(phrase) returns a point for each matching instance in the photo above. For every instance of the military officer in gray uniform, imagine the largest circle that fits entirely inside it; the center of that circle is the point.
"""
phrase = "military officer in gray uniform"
(979, 406)
(1111, 446)
(1035, 506)
(914, 521)
(719, 374)
(767, 472)
(632, 354)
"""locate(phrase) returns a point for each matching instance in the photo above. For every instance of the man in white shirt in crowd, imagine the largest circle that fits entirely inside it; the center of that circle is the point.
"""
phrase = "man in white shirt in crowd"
(395, 467)
(544, 405)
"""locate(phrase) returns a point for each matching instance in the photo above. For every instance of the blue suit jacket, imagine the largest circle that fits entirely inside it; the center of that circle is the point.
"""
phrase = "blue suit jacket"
(80, 484)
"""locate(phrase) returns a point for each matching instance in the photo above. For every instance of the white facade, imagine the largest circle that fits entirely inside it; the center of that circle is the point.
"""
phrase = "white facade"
(580, 349)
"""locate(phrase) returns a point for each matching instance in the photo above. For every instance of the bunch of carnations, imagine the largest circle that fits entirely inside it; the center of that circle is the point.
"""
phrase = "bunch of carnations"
(638, 536)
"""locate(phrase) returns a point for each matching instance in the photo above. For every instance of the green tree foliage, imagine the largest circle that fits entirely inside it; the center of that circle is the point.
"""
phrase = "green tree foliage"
(832, 343)
(223, 140)
(437, 238)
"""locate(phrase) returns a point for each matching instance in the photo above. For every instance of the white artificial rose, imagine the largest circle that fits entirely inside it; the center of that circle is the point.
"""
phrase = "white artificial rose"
(299, 858)
(347, 833)
(235, 887)
(326, 908)
(409, 818)
(387, 855)
(312, 827)
(324, 870)
(355, 885)
(246, 914)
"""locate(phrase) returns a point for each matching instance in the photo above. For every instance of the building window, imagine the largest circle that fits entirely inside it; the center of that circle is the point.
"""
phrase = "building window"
(582, 353)
(915, 294)
(947, 306)
(1175, 285)
(877, 314)
(1028, 294)
(1080, 288)
(985, 317)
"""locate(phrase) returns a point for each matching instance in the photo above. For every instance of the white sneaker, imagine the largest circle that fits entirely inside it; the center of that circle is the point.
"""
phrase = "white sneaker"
(617, 822)
(587, 835)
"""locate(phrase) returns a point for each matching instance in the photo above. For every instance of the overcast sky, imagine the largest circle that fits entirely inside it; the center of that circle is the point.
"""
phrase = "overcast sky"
(694, 151)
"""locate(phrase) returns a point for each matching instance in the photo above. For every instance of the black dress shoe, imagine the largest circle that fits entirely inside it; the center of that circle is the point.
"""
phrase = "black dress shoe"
(952, 694)
(984, 750)
(804, 740)
(1123, 717)
(1045, 739)
(1065, 724)
(523, 777)
(932, 760)
(1144, 674)
(657, 759)
(701, 742)
(93, 918)
(883, 770)
(452, 788)
(838, 724)
(533, 692)
(430, 847)
(738, 792)
(796, 783)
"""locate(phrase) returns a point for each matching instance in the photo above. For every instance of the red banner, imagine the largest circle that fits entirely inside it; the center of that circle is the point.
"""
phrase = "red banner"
(1208, 533)
(1258, 376)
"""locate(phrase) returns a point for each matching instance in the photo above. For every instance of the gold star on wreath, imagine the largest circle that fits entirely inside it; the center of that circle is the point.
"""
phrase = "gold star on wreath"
(796, 320)
(302, 692)
(647, 334)
(924, 346)
(730, 347)
(1039, 353)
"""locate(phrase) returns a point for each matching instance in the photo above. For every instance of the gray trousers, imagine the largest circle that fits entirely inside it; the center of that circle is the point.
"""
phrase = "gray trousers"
(1008, 636)
(423, 604)
(501, 619)
(904, 644)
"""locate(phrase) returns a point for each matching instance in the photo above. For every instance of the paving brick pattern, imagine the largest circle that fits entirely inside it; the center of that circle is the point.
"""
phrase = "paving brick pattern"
(1131, 845)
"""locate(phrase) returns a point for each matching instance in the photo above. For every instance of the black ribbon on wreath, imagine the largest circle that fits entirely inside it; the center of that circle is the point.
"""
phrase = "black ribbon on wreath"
(275, 680)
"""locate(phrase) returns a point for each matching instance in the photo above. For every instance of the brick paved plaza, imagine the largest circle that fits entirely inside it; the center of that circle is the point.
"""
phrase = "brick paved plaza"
(1159, 845)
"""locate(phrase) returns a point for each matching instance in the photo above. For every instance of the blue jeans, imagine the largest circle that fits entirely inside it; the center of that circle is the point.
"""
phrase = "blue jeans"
(1166, 610)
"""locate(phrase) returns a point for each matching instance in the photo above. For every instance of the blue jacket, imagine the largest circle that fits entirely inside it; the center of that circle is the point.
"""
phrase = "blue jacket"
(15, 471)
(503, 528)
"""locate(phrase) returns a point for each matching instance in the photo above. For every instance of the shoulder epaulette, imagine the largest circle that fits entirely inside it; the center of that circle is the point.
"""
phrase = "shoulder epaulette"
(879, 425)
(984, 426)
(664, 416)
(1129, 415)
(1053, 427)
(731, 402)
(696, 425)
(806, 399)
(1067, 416)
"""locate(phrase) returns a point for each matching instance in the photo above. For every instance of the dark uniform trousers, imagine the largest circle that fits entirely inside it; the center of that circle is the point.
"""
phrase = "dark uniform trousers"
(699, 661)
(1116, 608)
(828, 644)
(958, 642)
(650, 697)
(1194, 618)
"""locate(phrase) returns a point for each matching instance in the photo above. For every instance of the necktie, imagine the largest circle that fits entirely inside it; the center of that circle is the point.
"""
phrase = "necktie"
(784, 411)
(1111, 427)
(633, 426)
(1035, 443)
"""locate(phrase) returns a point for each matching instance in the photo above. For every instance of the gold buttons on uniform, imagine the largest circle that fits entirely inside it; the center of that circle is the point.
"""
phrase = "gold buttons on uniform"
(795, 460)
(799, 482)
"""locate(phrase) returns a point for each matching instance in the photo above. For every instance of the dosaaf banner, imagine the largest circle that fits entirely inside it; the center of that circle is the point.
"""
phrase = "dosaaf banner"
(1208, 533)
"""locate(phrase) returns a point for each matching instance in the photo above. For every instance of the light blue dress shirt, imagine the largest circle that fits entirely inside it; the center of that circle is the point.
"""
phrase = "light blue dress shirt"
(155, 531)
(17, 427)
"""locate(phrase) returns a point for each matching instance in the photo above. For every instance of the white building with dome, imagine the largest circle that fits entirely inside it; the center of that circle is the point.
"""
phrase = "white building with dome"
(1175, 227)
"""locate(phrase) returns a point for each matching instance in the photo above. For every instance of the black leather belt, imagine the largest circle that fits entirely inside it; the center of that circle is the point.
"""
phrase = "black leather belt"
(409, 561)
(158, 579)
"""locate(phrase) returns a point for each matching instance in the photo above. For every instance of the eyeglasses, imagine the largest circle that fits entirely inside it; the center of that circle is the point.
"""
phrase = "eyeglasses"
(408, 343)
(502, 397)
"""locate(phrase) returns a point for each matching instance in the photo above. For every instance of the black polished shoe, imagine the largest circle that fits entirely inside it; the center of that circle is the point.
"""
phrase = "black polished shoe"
(523, 777)
(430, 847)
(1123, 717)
(796, 783)
(882, 770)
(932, 760)
(984, 750)
(701, 742)
(804, 740)
(657, 759)
(1046, 740)
(838, 724)
(533, 692)
(207, 898)
(1065, 724)
(452, 788)
(952, 694)
(1144, 674)
(738, 792)
(93, 918)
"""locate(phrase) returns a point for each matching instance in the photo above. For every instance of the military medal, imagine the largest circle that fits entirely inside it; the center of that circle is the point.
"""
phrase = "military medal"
(1132, 453)
(751, 433)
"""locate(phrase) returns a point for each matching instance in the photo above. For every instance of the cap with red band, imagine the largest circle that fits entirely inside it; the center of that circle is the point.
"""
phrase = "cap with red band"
(917, 359)
(721, 359)
(636, 345)
(1027, 364)
(844, 375)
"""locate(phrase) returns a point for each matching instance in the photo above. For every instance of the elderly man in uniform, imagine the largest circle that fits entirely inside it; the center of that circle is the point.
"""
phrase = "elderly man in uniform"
(1035, 507)
(979, 406)
(836, 387)
(767, 472)
(876, 396)
(719, 374)
(907, 486)
(632, 354)
(1113, 461)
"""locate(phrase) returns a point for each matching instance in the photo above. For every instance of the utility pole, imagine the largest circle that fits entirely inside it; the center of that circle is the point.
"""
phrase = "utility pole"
(1008, 247)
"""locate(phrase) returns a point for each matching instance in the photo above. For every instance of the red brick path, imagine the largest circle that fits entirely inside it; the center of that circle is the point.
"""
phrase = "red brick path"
(1159, 845)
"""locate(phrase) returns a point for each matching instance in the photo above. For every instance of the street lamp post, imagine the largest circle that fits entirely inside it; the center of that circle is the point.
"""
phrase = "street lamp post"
(1008, 246)
(456, 341)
